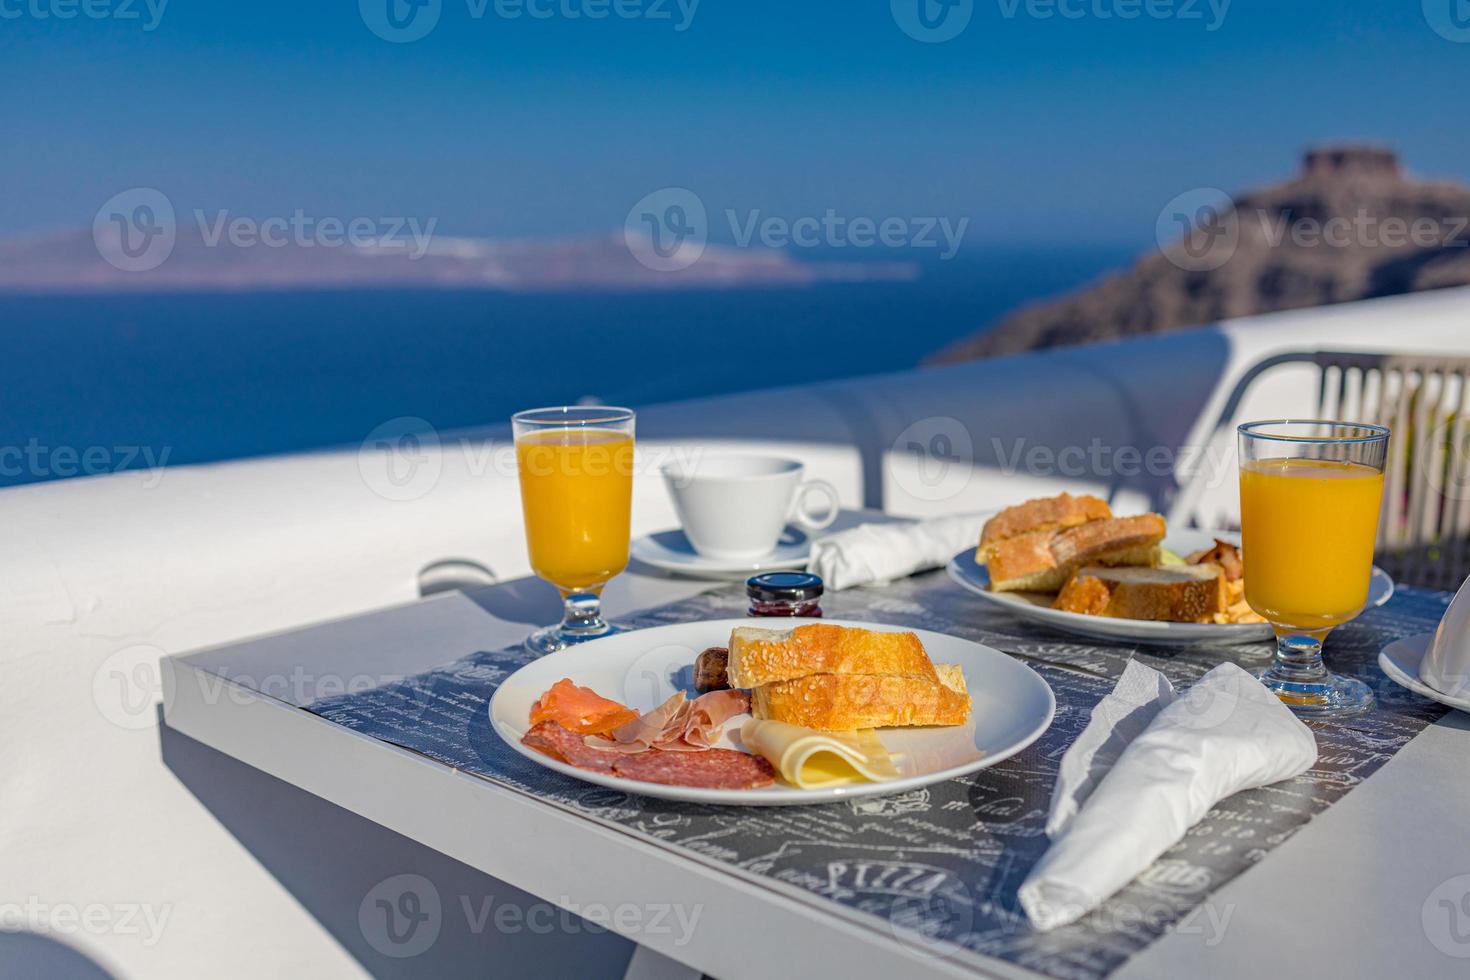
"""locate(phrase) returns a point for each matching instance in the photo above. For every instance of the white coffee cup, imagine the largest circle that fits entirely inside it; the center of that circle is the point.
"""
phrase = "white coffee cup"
(1446, 667)
(734, 507)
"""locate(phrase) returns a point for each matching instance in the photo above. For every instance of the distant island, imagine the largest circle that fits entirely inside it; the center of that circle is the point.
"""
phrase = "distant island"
(1350, 226)
(74, 262)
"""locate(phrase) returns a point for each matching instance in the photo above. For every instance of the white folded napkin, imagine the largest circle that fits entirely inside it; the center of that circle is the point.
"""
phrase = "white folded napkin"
(1111, 819)
(1140, 694)
(871, 553)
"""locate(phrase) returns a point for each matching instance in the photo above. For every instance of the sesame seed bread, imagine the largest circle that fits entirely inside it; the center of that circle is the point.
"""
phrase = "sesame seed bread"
(847, 702)
(763, 656)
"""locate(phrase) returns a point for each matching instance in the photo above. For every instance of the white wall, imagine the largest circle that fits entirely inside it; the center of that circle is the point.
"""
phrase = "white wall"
(113, 571)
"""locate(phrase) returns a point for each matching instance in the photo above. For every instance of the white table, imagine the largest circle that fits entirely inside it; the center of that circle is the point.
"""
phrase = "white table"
(1355, 894)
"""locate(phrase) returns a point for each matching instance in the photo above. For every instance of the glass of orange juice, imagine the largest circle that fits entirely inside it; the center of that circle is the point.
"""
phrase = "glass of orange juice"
(1309, 500)
(576, 471)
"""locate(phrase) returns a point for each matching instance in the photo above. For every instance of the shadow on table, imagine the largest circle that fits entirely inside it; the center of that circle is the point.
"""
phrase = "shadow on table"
(399, 908)
(27, 955)
(523, 600)
(1458, 720)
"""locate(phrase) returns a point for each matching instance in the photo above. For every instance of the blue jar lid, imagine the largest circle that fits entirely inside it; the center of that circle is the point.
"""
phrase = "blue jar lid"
(784, 587)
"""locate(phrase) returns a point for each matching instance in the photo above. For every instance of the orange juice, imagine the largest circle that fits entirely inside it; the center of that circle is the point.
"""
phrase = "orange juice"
(577, 497)
(1308, 527)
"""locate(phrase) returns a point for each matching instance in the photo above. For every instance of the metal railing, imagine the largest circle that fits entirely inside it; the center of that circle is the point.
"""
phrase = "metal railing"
(1424, 530)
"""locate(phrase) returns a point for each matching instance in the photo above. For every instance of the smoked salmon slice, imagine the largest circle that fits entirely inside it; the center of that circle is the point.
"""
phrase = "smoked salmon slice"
(580, 709)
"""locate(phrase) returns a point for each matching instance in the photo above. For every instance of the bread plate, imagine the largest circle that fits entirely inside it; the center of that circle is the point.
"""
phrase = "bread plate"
(1013, 706)
(1038, 607)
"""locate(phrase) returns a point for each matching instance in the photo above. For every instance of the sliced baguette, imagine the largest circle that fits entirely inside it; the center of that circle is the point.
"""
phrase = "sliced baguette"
(1043, 561)
(1173, 593)
(763, 656)
(1043, 514)
(847, 702)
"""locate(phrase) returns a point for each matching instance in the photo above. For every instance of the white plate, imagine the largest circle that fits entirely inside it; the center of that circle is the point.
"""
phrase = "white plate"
(672, 552)
(1400, 661)
(1012, 707)
(1037, 607)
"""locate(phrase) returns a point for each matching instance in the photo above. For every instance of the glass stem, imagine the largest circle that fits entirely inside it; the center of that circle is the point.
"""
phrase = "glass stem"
(582, 614)
(1298, 659)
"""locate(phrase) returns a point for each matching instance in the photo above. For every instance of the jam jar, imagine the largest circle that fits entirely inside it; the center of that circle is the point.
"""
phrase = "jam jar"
(785, 594)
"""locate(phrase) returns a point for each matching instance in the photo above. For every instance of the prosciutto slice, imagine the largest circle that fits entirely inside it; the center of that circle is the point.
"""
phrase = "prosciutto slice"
(660, 725)
(677, 725)
(705, 719)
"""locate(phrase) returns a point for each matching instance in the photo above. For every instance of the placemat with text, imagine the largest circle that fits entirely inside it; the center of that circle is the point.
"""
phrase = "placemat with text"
(938, 868)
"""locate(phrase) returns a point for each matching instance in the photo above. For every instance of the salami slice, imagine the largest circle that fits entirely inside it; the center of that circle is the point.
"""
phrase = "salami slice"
(711, 769)
(562, 743)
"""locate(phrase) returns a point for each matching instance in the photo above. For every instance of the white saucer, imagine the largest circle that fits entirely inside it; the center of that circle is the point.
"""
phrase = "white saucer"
(672, 552)
(1400, 661)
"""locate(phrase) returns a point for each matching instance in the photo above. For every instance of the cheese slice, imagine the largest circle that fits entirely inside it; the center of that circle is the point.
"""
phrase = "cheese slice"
(810, 759)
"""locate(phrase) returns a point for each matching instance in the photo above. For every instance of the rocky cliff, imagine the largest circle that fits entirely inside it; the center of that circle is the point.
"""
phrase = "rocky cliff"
(1351, 226)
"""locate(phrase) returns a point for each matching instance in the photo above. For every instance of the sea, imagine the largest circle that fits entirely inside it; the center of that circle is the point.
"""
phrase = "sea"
(94, 383)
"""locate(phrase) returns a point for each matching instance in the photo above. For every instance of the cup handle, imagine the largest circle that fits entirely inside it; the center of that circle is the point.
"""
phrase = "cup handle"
(803, 515)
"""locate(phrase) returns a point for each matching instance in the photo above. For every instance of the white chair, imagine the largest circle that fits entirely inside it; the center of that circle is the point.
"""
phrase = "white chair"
(1424, 532)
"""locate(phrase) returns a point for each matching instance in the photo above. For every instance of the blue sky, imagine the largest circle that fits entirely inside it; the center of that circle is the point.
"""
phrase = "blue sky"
(1032, 127)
